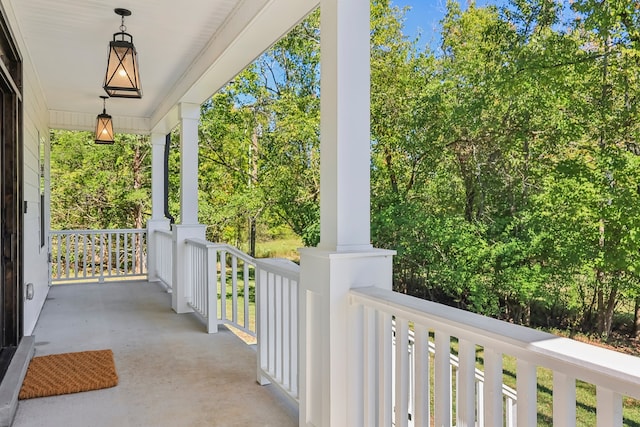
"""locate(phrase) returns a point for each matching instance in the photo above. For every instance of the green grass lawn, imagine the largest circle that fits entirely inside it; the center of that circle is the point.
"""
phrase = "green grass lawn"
(250, 323)
(280, 248)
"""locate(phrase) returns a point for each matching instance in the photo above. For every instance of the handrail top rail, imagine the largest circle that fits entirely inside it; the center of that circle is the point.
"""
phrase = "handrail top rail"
(205, 244)
(96, 231)
(235, 251)
(282, 266)
(201, 243)
(590, 363)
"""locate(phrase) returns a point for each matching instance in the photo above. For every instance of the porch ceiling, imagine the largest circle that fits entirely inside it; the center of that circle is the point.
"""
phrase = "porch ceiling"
(187, 51)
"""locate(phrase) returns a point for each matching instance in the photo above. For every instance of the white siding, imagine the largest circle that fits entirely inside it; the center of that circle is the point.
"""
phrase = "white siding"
(36, 125)
(36, 264)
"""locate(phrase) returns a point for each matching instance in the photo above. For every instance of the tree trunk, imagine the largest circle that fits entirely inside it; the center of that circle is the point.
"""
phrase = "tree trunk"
(138, 213)
(137, 184)
(606, 305)
(470, 181)
(252, 236)
(609, 311)
(393, 180)
(253, 180)
(635, 330)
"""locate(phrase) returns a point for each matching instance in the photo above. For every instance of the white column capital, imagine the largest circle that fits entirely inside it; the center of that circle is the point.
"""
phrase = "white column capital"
(189, 111)
(158, 138)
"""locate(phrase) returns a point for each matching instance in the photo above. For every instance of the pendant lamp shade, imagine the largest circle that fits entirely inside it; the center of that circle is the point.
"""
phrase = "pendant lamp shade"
(104, 125)
(122, 79)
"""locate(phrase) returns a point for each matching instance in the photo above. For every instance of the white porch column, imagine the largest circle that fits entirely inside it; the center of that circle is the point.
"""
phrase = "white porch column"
(158, 220)
(331, 356)
(158, 142)
(188, 227)
(344, 125)
(189, 120)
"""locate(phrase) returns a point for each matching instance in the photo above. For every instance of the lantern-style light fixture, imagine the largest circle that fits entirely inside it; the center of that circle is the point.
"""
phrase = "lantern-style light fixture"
(104, 125)
(123, 75)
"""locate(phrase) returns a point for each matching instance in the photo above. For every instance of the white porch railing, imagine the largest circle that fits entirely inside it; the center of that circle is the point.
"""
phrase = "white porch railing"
(395, 395)
(277, 314)
(164, 256)
(96, 255)
(277, 323)
(237, 272)
(403, 385)
(509, 395)
(203, 295)
(222, 285)
(223, 282)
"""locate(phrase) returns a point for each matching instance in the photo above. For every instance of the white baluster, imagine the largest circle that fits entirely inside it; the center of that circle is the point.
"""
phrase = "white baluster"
(234, 288)
(492, 387)
(526, 384)
(442, 381)
(402, 373)
(421, 413)
(465, 409)
(385, 343)
(564, 400)
(245, 279)
(609, 407)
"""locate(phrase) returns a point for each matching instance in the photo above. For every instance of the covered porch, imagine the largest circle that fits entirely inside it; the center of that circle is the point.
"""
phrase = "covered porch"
(331, 335)
(414, 362)
(170, 372)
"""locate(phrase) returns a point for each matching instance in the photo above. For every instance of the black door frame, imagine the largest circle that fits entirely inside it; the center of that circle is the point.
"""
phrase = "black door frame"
(11, 197)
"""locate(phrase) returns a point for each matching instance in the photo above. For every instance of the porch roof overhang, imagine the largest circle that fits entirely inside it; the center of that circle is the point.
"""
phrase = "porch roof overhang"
(187, 51)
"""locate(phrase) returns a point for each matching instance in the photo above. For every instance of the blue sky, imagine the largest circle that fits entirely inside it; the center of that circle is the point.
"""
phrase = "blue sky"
(425, 16)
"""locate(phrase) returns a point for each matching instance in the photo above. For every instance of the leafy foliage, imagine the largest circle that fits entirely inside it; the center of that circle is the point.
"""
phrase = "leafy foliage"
(511, 150)
(99, 186)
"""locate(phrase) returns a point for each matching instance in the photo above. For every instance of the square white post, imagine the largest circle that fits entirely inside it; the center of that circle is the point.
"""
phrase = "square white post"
(189, 120)
(331, 349)
(188, 227)
(344, 125)
(158, 220)
(158, 142)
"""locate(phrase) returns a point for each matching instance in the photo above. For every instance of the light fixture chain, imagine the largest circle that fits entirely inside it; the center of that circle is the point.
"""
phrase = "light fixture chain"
(122, 26)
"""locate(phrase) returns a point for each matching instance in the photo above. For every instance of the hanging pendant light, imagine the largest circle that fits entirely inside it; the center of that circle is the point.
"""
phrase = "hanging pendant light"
(104, 125)
(123, 76)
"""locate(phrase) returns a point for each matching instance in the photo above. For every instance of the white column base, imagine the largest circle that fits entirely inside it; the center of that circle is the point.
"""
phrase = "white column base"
(180, 295)
(152, 226)
(331, 378)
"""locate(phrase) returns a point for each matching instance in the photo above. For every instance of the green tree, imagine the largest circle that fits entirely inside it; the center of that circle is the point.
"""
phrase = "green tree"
(260, 141)
(99, 186)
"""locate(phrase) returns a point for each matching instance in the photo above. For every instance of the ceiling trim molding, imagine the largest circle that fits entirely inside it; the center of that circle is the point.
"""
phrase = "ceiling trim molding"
(68, 120)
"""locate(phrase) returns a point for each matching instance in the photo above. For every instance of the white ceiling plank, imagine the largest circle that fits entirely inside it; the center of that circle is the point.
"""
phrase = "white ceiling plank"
(180, 45)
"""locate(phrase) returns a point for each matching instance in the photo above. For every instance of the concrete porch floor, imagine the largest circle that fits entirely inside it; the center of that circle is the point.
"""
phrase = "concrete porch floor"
(171, 372)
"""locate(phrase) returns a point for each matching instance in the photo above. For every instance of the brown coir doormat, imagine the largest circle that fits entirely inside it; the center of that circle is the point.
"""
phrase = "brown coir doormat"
(69, 373)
